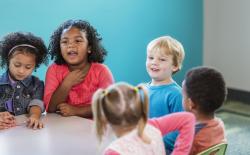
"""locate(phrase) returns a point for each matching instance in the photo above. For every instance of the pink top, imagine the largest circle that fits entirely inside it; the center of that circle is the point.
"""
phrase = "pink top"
(156, 128)
(98, 76)
(211, 134)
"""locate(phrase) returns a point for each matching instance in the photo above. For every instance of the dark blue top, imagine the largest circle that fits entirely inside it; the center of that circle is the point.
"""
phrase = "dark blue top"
(24, 94)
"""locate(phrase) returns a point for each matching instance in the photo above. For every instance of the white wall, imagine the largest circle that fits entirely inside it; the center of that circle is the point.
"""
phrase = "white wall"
(227, 40)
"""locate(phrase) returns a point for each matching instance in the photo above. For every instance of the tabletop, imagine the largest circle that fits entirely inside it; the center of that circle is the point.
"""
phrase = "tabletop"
(60, 136)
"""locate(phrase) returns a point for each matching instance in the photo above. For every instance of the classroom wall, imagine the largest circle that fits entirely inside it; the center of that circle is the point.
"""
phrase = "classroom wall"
(226, 40)
(125, 25)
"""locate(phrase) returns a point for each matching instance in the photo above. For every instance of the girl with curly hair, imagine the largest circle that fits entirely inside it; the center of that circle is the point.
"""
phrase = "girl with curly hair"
(20, 92)
(77, 72)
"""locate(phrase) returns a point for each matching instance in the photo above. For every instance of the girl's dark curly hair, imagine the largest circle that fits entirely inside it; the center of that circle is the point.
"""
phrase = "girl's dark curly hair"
(18, 38)
(97, 50)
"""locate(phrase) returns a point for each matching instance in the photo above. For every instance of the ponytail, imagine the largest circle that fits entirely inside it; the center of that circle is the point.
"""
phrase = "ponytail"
(99, 118)
(143, 101)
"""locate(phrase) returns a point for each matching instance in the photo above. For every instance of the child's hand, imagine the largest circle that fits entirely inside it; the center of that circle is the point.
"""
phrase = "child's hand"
(6, 120)
(74, 77)
(66, 109)
(34, 122)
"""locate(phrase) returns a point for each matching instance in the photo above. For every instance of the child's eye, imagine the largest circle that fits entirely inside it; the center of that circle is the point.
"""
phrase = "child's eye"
(150, 58)
(28, 67)
(63, 42)
(162, 59)
(79, 40)
(17, 65)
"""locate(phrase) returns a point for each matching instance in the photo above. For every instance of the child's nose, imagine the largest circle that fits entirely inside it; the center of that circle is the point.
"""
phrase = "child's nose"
(154, 61)
(21, 70)
(71, 44)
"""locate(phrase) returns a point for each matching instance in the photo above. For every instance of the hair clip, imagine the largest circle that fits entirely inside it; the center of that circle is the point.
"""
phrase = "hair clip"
(105, 92)
(136, 89)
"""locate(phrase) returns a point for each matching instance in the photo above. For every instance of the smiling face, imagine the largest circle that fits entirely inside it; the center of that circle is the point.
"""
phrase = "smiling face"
(74, 46)
(160, 67)
(21, 65)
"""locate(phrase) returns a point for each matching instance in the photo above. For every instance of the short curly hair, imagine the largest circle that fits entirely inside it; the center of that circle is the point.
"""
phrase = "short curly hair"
(206, 87)
(97, 50)
(14, 39)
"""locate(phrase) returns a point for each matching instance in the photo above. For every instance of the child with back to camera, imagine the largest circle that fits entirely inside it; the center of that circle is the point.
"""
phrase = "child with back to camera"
(125, 109)
(204, 91)
(77, 72)
(164, 58)
(20, 92)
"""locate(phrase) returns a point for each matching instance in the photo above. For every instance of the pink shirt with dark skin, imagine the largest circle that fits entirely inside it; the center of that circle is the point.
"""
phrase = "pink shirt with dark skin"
(181, 121)
(98, 76)
(211, 134)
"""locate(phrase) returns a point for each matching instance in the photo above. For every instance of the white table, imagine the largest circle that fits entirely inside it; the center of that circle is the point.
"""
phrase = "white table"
(60, 136)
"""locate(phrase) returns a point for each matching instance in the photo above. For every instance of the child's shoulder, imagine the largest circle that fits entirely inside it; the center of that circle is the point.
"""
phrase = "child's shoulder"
(173, 86)
(99, 68)
(56, 67)
(36, 79)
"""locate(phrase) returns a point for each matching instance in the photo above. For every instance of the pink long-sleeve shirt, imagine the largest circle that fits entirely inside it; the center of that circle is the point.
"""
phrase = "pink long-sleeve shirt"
(182, 121)
(98, 76)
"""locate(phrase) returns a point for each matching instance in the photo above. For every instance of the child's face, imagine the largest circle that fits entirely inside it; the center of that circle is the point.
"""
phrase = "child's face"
(160, 67)
(74, 46)
(21, 65)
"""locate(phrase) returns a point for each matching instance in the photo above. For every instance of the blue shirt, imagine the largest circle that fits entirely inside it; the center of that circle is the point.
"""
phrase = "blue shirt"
(163, 100)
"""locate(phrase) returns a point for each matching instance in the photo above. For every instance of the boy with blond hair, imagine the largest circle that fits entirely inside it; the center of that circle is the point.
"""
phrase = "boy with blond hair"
(164, 58)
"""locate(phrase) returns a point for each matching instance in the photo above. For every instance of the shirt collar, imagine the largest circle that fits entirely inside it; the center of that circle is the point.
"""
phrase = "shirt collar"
(4, 79)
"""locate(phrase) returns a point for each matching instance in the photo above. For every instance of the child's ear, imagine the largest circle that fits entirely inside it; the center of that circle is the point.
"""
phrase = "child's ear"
(175, 68)
(191, 105)
(89, 50)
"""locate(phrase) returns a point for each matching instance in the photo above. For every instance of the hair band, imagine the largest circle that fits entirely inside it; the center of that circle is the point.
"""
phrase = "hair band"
(21, 45)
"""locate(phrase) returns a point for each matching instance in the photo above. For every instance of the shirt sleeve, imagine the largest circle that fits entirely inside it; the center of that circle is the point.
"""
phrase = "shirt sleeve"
(38, 96)
(111, 152)
(183, 122)
(174, 105)
(51, 84)
(106, 77)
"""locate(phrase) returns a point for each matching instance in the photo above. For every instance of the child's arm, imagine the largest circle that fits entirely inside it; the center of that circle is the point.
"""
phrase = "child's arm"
(61, 93)
(105, 79)
(70, 110)
(184, 122)
(34, 118)
(36, 106)
(111, 152)
(6, 120)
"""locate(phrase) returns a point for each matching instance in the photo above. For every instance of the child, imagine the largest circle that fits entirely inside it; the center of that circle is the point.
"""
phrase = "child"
(204, 91)
(164, 58)
(21, 92)
(125, 109)
(77, 72)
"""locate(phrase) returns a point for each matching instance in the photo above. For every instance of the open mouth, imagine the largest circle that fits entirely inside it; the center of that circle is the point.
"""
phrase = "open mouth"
(72, 53)
(155, 69)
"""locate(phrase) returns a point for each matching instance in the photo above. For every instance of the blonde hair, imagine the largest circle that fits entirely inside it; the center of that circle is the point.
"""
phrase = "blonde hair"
(169, 46)
(120, 104)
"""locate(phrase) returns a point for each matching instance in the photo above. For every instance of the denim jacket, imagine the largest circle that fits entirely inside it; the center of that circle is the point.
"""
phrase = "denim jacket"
(26, 93)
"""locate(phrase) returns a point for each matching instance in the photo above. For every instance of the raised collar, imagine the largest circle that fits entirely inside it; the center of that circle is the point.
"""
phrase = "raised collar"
(4, 79)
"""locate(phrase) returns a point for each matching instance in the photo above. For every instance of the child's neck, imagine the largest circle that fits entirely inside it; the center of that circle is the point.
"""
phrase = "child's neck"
(161, 82)
(200, 118)
(121, 131)
(83, 66)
